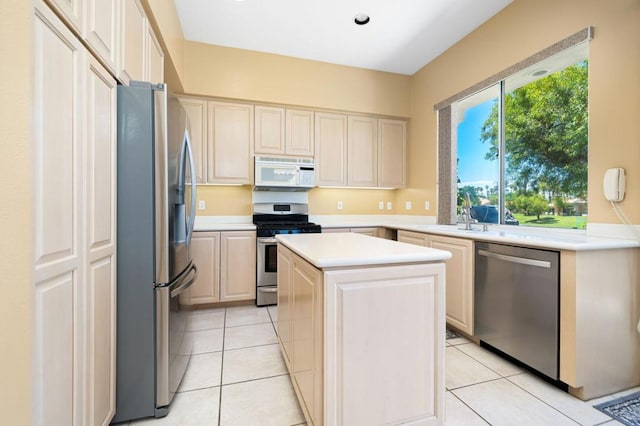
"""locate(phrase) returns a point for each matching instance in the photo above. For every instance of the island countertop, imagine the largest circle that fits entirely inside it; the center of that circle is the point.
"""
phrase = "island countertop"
(333, 250)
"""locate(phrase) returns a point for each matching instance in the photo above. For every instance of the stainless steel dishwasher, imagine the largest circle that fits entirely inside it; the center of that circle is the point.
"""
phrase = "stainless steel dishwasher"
(516, 307)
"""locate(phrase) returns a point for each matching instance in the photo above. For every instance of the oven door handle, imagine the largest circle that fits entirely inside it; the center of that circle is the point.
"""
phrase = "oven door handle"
(268, 289)
(267, 241)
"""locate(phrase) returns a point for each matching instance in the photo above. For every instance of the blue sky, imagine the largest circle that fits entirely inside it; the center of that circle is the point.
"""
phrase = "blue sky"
(472, 167)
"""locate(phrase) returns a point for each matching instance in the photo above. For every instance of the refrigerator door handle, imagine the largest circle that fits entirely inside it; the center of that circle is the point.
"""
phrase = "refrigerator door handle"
(187, 281)
(192, 168)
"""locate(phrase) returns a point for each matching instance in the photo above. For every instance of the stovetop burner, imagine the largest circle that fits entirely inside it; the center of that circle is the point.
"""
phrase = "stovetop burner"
(272, 219)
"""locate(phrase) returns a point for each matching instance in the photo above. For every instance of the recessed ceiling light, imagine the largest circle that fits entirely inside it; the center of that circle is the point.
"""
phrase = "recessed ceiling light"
(361, 19)
(539, 73)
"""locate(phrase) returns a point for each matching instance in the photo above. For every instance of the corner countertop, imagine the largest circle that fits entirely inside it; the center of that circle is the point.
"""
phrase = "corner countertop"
(334, 250)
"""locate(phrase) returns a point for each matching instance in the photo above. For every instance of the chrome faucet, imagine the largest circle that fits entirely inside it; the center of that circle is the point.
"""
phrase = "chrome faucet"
(466, 213)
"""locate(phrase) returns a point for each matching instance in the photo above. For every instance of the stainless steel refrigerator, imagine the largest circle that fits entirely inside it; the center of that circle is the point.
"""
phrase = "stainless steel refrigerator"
(156, 212)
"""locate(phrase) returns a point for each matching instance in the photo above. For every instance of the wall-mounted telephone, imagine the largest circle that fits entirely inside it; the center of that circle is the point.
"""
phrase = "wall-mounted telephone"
(614, 184)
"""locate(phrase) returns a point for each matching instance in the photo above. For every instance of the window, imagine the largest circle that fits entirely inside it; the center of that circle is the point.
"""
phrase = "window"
(538, 118)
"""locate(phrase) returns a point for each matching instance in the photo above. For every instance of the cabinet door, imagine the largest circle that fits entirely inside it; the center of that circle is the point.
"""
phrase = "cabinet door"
(205, 251)
(459, 280)
(392, 153)
(299, 133)
(70, 10)
(307, 337)
(133, 26)
(57, 222)
(285, 302)
(331, 149)
(230, 143)
(101, 30)
(154, 62)
(237, 265)
(197, 114)
(416, 238)
(269, 130)
(100, 298)
(362, 158)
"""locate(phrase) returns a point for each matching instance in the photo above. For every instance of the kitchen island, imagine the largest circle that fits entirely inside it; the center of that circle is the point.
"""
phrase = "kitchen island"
(361, 325)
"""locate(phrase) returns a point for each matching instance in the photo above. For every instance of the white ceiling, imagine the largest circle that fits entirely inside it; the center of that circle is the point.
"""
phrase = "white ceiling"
(402, 36)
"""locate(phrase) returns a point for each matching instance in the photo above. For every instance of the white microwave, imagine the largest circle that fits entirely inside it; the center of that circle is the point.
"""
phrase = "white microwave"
(284, 174)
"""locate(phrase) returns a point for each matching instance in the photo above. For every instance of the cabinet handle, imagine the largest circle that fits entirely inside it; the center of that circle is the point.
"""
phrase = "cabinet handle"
(514, 259)
(268, 289)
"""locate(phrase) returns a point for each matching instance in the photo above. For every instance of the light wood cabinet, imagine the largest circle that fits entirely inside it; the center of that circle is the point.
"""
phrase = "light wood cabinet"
(392, 153)
(71, 12)
(459, 280)
(416, 238)
(133, 33)
(154, 58)
(226, 263)
(285, 304)
(74, 280)
(299, 135)
(196, 110)
(331, 149)
(362, 151)
(270, 130)
(237, 265)
(101, 30)
(205, 251)
(229, 143)
(371, 231)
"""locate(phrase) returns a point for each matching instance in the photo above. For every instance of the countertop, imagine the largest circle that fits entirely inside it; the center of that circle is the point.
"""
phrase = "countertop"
(334, 250)
(224, 223)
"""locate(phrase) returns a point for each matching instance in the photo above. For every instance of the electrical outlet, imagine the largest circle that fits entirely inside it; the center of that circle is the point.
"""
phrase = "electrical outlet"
(389, 205)
(381, 205)
(407, 205)
(202, 205)
(339, 205)
(426, 205)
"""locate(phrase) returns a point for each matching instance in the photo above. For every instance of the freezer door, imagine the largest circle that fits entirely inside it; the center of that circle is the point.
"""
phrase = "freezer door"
(174, 348)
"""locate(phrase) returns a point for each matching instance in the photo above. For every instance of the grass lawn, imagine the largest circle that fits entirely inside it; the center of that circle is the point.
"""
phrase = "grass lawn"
(552, 221)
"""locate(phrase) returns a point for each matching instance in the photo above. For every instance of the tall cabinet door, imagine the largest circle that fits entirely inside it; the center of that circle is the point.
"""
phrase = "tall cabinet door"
(362, 158)
(331, 149)
(100, 193)
(230, 143)
(196, 110)
(57, 221)
(392, 153)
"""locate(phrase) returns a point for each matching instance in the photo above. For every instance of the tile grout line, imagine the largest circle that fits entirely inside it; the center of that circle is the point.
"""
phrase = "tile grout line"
(468, 406)
(224, 330)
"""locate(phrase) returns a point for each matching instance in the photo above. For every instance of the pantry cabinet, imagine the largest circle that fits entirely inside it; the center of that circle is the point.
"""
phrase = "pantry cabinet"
(196, 110)
(362, 151)
(226, 263)
(74, 279)
(229, 143)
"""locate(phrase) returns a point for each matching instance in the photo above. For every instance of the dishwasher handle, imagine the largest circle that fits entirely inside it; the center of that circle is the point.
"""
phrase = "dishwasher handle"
(515, 259)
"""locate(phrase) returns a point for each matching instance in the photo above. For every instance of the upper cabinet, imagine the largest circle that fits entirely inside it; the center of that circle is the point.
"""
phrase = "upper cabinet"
(133, 31)
(196, 110)
(331, 149)
(281, 131)
(362, 151)
(154, 63)
(392, 153)
(269, 129)
(70, 11)
(229, 143)
(100, 30)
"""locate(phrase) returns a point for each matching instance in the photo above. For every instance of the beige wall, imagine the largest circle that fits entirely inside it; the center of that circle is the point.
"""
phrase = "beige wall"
(324, 201)
(242, 74)
(15, 212)
(522, 29)
(225, 200)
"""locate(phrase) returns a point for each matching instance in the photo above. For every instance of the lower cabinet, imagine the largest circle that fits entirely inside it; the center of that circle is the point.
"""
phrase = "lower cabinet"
(226, 264)
(371, 231)
(459, 270)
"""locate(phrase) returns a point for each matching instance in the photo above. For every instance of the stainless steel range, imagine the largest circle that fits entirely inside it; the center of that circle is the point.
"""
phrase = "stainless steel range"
(272, 219)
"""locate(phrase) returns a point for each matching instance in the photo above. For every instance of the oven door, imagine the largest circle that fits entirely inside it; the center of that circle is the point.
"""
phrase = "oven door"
(267, 271)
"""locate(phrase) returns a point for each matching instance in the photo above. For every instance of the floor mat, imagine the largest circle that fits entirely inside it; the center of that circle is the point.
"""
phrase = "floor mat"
(626, 410)
(451, 334)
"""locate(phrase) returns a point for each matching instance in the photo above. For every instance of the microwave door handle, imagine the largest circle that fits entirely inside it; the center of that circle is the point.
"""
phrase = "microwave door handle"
(192, 168)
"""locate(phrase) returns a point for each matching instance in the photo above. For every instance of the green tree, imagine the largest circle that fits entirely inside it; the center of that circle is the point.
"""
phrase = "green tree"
(546, 130)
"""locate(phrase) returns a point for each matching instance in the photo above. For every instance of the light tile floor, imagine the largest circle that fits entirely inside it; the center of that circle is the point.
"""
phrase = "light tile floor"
(237, 377)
